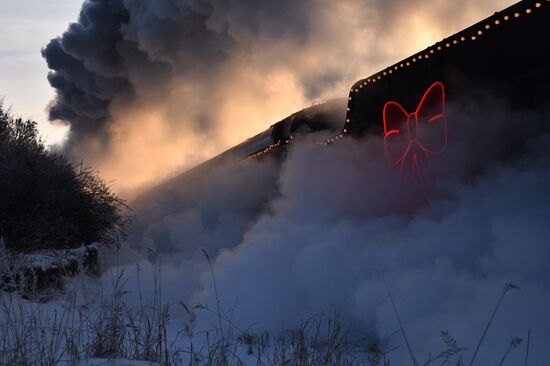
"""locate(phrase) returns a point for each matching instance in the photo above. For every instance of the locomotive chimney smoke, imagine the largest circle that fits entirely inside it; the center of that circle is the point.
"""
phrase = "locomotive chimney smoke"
(151, 87)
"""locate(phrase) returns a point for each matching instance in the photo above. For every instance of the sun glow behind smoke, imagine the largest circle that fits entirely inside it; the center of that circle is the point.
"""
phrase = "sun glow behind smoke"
(207, 76)
(144, 148)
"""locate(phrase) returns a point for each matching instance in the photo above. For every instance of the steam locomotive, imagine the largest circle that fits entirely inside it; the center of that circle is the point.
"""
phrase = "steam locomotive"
(506, 54)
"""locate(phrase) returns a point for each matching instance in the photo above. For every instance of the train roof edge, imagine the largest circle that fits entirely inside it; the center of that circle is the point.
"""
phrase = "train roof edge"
(473, 33)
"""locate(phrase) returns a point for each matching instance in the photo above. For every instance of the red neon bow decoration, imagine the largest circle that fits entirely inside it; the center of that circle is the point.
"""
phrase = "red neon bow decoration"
(408, 138)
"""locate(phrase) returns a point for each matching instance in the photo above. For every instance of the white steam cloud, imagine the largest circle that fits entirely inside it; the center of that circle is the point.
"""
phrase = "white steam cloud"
(342, 225)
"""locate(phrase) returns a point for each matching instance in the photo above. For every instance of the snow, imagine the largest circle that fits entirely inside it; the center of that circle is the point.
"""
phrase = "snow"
(115, 362)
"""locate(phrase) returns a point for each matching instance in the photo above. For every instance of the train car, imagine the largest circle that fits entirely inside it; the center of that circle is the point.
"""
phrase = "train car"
(325, 117)
(501, 59)
(505, 55)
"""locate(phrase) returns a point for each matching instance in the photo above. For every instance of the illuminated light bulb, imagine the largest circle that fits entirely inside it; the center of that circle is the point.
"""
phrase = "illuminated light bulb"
(480, 32)
(401, 65)
(537, 5)
(473, 38)
(368, 80)
(345, 130)
(506, 17)
(365, 83)
(384, 73)
(349, 98)
(447, 44)
(462, 39)
(408, 63)
(455, 41)
(487, 26)
(432, 51)
(420, 57)
(426, 56)
(516, 15)
(528, 11)
(356, 90)
(390, 71)
(414, 60)
(497, 22)
(349, 109)
(347, 120)
(361, 86)
(379, 77)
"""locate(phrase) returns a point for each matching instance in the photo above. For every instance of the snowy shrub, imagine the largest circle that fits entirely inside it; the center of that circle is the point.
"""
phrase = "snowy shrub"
(47, 201)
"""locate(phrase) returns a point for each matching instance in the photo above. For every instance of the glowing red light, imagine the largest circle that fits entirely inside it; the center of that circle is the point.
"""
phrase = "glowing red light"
(410, 138)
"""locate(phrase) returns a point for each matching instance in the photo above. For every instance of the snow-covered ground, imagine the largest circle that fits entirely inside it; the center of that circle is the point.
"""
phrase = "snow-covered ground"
(342, 233)
(115, 362)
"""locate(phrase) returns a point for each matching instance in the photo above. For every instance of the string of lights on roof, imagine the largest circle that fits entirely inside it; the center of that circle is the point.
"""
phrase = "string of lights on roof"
(486, 26)
(490, 23)
(268, 149)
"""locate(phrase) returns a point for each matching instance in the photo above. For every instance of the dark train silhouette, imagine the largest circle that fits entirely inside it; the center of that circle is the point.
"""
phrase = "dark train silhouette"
(505, 55)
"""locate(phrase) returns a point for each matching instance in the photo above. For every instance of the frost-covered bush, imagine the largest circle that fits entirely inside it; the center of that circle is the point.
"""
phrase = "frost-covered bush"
(47, 201)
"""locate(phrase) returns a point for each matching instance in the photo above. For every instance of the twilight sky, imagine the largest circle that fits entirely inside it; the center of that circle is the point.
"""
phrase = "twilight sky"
(27, 26)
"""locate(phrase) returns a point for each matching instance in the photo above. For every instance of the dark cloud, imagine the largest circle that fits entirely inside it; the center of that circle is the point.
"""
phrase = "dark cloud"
(86, 73)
